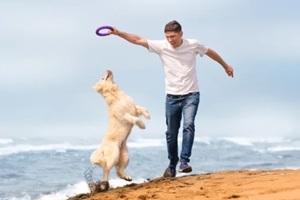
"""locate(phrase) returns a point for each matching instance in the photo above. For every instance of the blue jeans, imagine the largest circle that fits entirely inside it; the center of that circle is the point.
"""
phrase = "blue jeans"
(185, 106)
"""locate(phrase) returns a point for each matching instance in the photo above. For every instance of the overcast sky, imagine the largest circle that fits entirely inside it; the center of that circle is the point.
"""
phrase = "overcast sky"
(50, 57)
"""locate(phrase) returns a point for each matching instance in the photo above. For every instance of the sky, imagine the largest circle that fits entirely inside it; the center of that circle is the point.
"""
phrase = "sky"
(50, 57)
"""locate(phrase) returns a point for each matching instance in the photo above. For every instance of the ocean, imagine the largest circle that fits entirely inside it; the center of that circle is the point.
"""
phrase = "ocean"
(54, 169)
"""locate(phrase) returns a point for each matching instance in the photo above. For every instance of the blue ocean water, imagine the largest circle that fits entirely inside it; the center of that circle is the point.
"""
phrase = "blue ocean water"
(42, 169)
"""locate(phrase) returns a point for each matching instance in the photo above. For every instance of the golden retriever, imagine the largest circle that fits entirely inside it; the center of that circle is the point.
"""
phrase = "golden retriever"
(123, 114)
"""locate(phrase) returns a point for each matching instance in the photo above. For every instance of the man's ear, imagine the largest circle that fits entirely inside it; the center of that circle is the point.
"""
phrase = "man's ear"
(181, 33)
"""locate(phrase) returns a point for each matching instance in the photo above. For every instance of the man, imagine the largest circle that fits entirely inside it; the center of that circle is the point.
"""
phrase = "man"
(178, 57)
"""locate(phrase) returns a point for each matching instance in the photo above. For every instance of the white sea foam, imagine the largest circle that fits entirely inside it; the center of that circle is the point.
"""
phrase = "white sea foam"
(10, 146)
(205, 140)
(24, 197)
(4, 141)
(21, 148)
(82, 188)
(249, 141)
(70, 190)
(63, 147)
(243, 141)
(283, 148)
(142, 143)
(114, 183)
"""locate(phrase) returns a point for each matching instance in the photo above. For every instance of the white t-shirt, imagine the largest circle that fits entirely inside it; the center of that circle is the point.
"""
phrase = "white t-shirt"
(179, 64)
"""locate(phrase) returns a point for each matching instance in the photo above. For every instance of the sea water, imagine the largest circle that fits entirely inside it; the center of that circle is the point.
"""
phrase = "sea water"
(44, 169)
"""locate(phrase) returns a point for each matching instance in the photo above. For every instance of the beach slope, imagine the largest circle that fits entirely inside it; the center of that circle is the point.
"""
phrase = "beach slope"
(240, 185)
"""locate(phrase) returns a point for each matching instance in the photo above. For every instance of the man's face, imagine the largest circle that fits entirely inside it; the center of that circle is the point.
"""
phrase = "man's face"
(174, 38)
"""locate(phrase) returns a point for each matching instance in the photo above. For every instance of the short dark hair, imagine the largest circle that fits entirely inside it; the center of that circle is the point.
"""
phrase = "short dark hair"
(173, 26)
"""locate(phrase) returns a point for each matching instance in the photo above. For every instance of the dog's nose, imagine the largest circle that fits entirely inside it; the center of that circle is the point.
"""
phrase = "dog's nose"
(109, 72)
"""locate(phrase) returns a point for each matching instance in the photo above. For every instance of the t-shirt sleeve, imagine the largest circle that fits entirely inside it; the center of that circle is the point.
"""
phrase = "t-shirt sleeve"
(155, 46)
(201, 48)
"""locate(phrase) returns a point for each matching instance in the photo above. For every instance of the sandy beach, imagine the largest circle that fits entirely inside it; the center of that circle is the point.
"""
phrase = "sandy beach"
(241, 185)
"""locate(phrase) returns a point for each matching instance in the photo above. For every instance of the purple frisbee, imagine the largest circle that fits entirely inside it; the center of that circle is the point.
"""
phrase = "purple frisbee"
(103, 27)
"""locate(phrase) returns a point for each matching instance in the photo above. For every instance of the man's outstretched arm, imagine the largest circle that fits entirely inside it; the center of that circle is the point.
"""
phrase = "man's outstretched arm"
(215, 56)
(134, 39)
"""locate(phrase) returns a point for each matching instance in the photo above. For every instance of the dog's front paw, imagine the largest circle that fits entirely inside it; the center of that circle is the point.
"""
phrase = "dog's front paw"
(140, 124)
(97, 187)
(127, 178)
(104, 186)
(146, 115)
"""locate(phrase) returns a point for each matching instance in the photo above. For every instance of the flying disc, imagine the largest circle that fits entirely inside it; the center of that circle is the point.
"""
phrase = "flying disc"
(102, 28)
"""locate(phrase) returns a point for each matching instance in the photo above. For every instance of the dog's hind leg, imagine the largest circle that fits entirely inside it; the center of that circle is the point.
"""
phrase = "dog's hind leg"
(142, 111)
(134, 120)
(123, 162)
(111, 156)
(105, 157)
(105, 173)
(110, 162)
(98, 159)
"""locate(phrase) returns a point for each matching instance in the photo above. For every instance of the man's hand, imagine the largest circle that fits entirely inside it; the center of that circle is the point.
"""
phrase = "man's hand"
(229, 70)
(114, 31)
